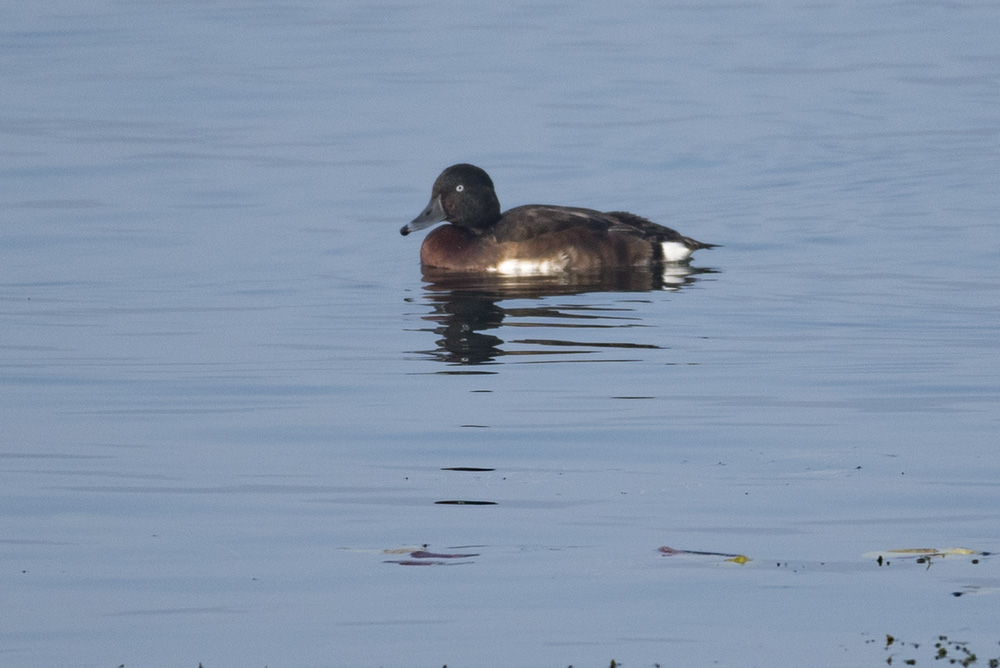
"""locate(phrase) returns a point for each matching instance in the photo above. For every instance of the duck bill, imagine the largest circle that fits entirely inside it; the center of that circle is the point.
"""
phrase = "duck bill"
(434, 213)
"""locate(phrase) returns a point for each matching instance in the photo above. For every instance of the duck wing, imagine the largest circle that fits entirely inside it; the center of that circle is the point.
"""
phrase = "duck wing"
(629, 223)
(533, 220)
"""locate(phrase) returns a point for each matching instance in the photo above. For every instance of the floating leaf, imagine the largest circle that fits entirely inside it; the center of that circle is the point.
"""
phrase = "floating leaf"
(461, 502)
(416, 562)
(423, 554)
(404, 550)
(735, 558)
(917, 552)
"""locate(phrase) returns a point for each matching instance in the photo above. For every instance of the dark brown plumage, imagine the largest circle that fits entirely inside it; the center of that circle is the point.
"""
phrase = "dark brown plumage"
(535, 238)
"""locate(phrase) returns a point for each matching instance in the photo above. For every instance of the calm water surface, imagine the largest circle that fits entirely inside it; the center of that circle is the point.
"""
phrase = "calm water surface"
(236, 419)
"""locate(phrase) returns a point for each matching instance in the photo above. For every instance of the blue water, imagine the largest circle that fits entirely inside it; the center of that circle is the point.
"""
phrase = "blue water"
(231, 403)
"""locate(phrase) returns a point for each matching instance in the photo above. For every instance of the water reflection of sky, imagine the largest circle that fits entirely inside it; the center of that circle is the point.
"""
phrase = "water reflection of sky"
(220, 418)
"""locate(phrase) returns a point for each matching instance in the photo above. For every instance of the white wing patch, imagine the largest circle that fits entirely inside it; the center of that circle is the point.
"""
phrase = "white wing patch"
(547, 267)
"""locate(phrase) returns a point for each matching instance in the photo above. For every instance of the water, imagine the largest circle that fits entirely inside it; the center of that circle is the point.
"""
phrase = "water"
(231, 401)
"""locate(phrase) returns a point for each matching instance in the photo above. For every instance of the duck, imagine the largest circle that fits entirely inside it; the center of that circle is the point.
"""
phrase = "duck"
(535, 239)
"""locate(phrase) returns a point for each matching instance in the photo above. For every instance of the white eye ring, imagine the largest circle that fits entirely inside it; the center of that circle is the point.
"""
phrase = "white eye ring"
(459, 188)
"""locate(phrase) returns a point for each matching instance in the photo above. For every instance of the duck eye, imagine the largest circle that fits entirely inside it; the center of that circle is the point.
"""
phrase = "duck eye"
(459, 188)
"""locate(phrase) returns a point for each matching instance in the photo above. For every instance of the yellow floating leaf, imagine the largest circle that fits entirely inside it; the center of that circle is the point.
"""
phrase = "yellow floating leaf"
(918, 551)
(740, 559)
(930, 550)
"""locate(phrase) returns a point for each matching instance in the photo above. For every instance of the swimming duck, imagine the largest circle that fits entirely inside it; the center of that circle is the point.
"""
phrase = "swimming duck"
(536, 238)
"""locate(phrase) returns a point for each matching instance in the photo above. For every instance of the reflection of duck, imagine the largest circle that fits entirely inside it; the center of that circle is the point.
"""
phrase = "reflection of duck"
(467, 307)
(535, 239)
